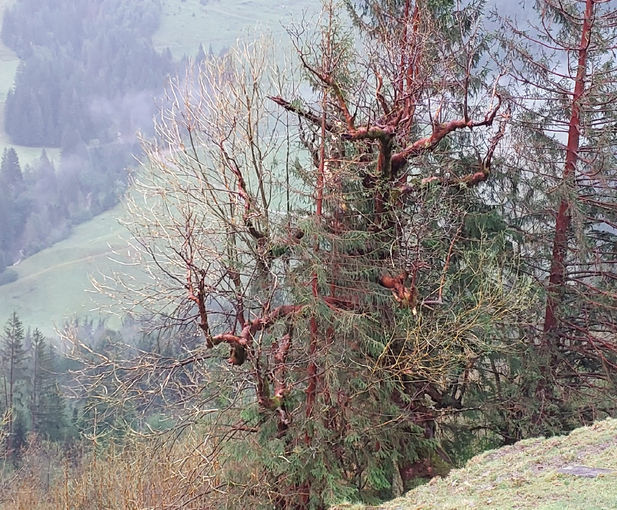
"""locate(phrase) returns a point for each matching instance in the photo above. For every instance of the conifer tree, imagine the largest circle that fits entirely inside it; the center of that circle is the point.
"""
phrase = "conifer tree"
(46, 404)
(11, 177)
(13, 356)
(562, 201)
(325, 243)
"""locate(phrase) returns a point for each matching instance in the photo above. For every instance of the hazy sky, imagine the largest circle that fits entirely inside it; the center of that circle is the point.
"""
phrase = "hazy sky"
(517, 10)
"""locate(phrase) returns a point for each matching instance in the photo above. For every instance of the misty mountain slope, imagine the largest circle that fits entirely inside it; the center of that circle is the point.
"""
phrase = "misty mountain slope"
(54, 284)
(9, 62)
(87, 81)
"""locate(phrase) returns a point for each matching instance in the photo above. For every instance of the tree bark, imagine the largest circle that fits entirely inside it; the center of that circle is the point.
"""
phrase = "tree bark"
(557, 278)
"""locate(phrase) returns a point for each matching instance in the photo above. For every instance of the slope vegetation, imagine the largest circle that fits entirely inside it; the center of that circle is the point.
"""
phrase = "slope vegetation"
(54, 284)
(560, 473)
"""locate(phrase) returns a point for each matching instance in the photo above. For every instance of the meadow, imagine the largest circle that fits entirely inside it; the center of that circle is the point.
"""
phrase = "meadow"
(217, 24)
(54, 285)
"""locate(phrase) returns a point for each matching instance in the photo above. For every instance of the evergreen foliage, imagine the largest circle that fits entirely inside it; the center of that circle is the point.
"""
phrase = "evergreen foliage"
(13, 358)
(11, 177)
(70, 80)
(558, 195)
(46, 403)
(339, 246)
(31, 399)
(346, 274)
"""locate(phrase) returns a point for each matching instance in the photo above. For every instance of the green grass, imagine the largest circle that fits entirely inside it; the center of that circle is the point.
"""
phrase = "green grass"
(54, 285)
(526, 476)
(218, 24)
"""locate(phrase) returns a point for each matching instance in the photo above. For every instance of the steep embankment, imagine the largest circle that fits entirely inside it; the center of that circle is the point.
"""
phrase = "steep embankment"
(573, 472)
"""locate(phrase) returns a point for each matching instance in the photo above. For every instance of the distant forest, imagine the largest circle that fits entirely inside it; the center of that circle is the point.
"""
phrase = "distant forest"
(87, 82)
(39, 381)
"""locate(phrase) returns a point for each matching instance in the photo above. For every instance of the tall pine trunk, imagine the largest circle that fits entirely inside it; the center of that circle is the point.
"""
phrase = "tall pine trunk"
(557, 278)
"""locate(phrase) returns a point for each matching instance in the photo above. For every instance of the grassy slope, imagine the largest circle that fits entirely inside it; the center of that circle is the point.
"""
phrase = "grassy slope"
(526, 476)
(218, 23)
(54, 284)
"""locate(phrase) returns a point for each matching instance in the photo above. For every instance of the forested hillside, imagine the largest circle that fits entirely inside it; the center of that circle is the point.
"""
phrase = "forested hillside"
(83, 83)
(85, 90)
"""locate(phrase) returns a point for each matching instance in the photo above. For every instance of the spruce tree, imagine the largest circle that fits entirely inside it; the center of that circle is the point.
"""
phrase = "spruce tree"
(13, 356)
(560, 196)
(46, 404)
(11, 176)
(328, 247)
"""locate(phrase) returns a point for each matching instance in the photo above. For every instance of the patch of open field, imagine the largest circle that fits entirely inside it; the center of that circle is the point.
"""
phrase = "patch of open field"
(54, 284)
(218, 24)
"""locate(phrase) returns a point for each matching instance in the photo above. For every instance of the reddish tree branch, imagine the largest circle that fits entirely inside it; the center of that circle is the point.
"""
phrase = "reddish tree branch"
(305, 114)
(281, 352)
(440, 131)
(244, 194)
(245, 337)
(470, 179)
